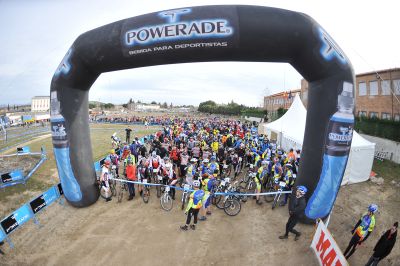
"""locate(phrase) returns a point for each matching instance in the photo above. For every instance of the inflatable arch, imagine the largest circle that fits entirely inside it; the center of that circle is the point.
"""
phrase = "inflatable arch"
(202, 34)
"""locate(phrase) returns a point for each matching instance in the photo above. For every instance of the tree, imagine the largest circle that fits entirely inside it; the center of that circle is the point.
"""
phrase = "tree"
(130, 101)
(153, 102)
(171, 106)
(92, 105)
(164, 105)
(125, 105)
(281, 111)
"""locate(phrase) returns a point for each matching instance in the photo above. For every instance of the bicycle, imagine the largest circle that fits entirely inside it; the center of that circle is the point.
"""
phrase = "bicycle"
(123, 186)
(232, 204)
(282, 185)
(185, 195)
(145, 191)
(166, 199)
(157, 180)
(112, 182)
(270, 187)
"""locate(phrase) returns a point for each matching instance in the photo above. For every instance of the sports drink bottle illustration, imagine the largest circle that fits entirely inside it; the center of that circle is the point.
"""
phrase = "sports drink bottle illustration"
(336, 153)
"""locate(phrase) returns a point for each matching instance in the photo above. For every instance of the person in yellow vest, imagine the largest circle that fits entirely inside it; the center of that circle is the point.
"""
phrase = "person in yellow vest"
(194, 206)
(362, 230)
(215, 145)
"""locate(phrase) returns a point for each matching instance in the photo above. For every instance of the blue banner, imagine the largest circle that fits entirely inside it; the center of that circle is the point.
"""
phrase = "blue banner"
(15, 175)
(17, 218)
(25, 149)
(2, 235)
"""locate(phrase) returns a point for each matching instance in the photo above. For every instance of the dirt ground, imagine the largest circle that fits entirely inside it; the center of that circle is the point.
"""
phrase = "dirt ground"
(23, 162)
(135, 233)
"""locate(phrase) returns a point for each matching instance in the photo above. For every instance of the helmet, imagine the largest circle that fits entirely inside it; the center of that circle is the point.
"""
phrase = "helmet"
(196, 183)
(112, 151)
(205, 160)
(264, 162)
(213, 158)
(129, 160)
(288, 165)
(154, 154)
(193, 160)
(372, 208)
(302, 189)
(107, 162)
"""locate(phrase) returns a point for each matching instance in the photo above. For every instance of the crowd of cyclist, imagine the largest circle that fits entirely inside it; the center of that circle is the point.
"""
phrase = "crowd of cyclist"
(187, 150)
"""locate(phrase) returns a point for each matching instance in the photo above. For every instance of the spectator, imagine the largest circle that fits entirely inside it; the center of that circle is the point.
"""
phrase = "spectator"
(131, 176)
(384, 245)
(128, 134)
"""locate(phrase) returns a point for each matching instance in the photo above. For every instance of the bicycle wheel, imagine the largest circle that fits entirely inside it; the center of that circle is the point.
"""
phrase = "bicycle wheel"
(183, 201)
(221, 201)
(146, 194)
(120, 193)
(103, 192)
(158, 189)
(243, 198)
(270, 197)
(232, 206)
(251, 186)
(166, 202)
(113, 189)
(276, 200)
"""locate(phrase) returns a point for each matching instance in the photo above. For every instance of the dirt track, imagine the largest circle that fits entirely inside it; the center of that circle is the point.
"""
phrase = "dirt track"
(133, 233)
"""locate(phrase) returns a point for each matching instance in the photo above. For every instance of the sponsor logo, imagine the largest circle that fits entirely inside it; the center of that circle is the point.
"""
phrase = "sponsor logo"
(178, 30)
(330, 49)
(347, 134)
(65, 65)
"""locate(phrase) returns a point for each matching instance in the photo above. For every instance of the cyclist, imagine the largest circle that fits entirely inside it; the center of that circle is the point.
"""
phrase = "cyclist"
(207, 186)
(105, 172)
(143, 174)
(194, 205)
(362, 230)
(155, 161)
(114, 160)
(213, 165)
(259, 180)
(191, 171)
(296, 208)
(288, 179)
(169, 176)
(277, 170)
(184, 162)
(204, 167)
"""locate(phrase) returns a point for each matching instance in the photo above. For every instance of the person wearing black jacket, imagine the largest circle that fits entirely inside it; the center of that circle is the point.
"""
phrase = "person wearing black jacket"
(297, 206)
(384, 245)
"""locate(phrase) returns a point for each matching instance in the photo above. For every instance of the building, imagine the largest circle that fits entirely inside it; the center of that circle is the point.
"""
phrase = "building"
(279, 100)
(40, 104)
(377, 94)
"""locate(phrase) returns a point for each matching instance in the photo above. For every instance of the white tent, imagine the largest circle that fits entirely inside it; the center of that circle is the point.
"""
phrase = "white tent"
(290, 133)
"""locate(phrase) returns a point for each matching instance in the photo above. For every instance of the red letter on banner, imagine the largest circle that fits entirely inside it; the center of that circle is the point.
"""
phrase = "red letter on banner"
(322, 245)
(329, 258)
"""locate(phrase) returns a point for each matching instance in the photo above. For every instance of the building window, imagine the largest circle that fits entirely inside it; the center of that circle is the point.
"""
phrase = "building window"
(373, 88)
(397, 117)
(386, 116)
(385, 84)
(373, 114)
(362, 89)
(396, 86)
(362, 113)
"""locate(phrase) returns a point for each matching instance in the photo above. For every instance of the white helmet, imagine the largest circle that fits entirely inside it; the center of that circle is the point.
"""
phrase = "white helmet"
(196, 183)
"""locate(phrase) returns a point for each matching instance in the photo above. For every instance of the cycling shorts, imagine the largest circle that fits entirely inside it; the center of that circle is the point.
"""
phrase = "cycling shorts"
(208, 201)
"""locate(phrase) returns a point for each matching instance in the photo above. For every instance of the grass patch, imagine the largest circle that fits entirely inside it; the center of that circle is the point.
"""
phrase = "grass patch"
(387, 169)
(44, 177)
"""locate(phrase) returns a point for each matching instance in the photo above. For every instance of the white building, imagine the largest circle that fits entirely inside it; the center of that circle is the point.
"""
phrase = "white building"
(40, 104)
(147, 107)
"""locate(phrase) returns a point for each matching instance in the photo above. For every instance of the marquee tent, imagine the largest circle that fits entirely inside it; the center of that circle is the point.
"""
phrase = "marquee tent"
(290, 132)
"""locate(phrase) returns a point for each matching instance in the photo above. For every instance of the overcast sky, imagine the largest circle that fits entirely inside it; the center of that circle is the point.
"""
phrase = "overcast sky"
(35, 35)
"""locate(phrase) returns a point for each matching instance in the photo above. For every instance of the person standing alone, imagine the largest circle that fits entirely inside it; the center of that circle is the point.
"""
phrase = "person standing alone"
(384, 245)
(128, 131)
